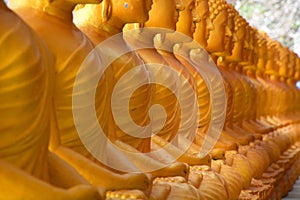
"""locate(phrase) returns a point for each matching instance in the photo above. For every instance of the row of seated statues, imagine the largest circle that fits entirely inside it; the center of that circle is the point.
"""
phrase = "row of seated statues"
(208, 108)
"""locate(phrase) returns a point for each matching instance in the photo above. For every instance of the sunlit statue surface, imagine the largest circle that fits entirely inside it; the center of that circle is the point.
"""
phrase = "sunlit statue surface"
(27, 74)
(70, 47)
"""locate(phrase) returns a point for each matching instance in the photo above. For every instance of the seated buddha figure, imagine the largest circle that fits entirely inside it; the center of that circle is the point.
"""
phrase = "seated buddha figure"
(291, 81)
(250, 86)
(252, 152)
(231, 178)
(270, 80)
(28, 169)
(296, 76)
(279, 81)
(144, 37)
(201, 34)
(103, 21)
(284, 63)
(70, 47)
(286, 72)
(237, 159)
(244, 91)
(164, 43)
(169, 76)
(260, 74)
(197, 62)
(251, 122)
(216, 47)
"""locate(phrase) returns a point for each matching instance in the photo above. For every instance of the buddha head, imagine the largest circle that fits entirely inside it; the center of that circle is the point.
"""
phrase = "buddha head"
(127, 11)
(239, 38)
(261, 51)
(276, 62)
(230, 36)
(64, 5)
(252, 54)
(188, 18)
(164, 14)
(291, 64)
(218, 16)
(270, 68)
(297, 68)
(255, 46)
(229, 33)
(114, 12)
(283, 60)
(246, 46)
(204, 24)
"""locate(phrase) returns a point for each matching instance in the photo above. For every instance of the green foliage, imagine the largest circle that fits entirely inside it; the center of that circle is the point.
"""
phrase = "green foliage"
(280, 19)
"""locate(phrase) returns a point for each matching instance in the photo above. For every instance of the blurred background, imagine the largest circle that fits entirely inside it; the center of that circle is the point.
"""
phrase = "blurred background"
(280, 19)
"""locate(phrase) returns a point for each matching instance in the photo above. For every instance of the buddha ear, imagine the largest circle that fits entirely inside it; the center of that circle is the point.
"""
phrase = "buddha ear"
(106, 10)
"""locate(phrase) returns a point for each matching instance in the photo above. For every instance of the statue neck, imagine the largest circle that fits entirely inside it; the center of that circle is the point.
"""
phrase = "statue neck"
(58, 8)
(28, 4)
(61, 9)
(111, 27)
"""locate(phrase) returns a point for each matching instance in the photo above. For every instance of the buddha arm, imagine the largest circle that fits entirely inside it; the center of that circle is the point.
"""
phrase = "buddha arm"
(27, 186)
(147, 163)
(181, 155)
(95, 174)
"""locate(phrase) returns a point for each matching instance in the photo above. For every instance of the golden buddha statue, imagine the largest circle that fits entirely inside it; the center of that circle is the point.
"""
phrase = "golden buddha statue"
(227, 64)
(69, 53)
(204, 25)
(286, 63)
(28, 169)
(218, 16)
(228, 133)
(144, 36)
(227, 174)
(250, 88)
(260, 74)
(291, 81)
(271, 78)
(99, 24)
(201, 34)
(243, 93)
(251, 122)
(183, 50)
(198, 64)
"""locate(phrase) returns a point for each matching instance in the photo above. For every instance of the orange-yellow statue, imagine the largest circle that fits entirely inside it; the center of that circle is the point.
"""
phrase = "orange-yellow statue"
(70, 47)
(99, 27)
(28, 169)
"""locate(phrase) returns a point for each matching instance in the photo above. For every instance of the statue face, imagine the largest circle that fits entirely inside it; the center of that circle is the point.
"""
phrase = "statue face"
(187, 18)
(297, 69)
(216, 39)
(238, 45)
(246, 45)
(130, 11)
(204, 24)
(84, 1)
(164, 14)
(291, 64)
(229, 36)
